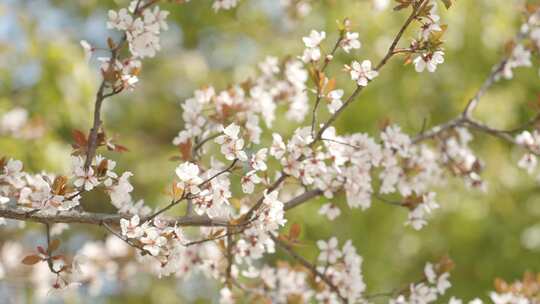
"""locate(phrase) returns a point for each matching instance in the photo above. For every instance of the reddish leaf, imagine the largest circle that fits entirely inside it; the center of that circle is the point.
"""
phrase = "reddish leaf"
(120, 149)
(53, 245)
(41, 250)
(185, 149)
(294, 232)
(80, 138)
(31, 259)
(57, 257)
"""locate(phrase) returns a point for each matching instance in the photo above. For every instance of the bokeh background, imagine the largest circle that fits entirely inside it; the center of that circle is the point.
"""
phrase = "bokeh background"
(488, 235)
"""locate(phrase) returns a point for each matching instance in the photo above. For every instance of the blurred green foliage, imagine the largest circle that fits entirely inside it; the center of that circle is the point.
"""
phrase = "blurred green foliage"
(42, 68)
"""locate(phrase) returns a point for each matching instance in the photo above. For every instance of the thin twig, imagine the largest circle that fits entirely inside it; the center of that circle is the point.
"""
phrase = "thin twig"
(379, 66)
(319, 93)
(126, 240)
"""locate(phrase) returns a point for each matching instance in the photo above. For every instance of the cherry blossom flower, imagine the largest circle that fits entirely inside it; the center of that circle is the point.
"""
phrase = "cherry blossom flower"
(269, 66)
(258, 160)
(226, 296)
(330, 210)
(349, 42)
(314, 39)
(249, 180)
(188, 173)
(120, 192)
(396, 140)
(362, 72)
(278, 148)
(329, 250)
(231, 144)
(130, 228)
(85, 178)
(88, 50)
(429, 61)
(528, 162)
(521, 57)
(312, 42)
(224, 4)
(335, 100)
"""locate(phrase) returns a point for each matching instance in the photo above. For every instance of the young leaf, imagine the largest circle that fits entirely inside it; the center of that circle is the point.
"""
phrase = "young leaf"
(54, 245)
(294, 232)
(120, 149)
(41, 250)
(80, 138)
(31, 259)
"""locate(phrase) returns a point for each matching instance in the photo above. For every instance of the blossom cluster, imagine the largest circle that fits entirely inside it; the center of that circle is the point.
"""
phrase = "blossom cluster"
(101, 173)
(34, 191)
(521, 53)
(343, 268)
(434, 285)
(428, 45)
(241, 189)
(141, 28)
(530, 142)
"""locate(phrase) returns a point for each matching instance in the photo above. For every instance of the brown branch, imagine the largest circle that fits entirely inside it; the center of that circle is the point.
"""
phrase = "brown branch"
(227, 169)
(319, 93)
(219, 237)
(92, 137)
(229, 256)
(101, 95)
(302, 198)
(204, 141)
(91, 218)
(49, 251)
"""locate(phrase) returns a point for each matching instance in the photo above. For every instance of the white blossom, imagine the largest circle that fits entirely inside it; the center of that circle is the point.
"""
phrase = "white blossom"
(362, 73)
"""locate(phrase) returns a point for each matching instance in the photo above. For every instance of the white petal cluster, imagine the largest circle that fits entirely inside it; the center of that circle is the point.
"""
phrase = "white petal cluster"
(231, 143)
(428, 61)
(428, 57)
(343, 268)
(531, 142)
(142, 29)
(362, 73)
(312, 52)
(435, 286)
(34, 191)
(248, 105)
(188, 174)
(224, 4)
(350, 41)
(520, 57)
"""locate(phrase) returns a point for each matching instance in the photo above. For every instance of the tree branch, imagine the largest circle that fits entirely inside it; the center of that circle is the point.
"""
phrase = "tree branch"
(91, 218)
